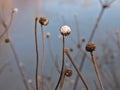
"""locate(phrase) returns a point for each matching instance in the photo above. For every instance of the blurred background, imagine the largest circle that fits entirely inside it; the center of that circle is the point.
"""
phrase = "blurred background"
(81, 16)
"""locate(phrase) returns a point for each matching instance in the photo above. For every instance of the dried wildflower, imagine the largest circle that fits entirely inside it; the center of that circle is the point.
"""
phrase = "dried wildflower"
(71, 49)
(65, 30)
(47, 35)
(7, 40)
(15, 10)
(68, 72)
(90, 47)
(83, 39)
(43, 21)
(106, 5)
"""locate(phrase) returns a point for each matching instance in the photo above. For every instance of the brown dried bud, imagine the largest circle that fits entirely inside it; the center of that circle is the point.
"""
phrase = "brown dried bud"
(68, 72)
(83, 39)
(47, 35)
(106, 5)
(7, 40)
(90, 47)
(71, 49)
(43, 21)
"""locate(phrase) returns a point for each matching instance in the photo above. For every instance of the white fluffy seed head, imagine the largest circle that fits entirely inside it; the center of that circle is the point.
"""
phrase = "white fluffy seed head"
(65, 30)
(15, 10)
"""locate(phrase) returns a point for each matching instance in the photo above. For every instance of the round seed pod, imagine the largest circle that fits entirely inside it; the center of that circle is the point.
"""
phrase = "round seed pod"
(90, 47)
(7, 40)
(43, 21)
(65, 30)
(83, 39)
(71, 49)
(47, 35)
(68, 72)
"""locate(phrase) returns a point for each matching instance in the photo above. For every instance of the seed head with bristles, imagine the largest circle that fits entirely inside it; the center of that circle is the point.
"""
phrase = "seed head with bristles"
(43, 21)
(90, 47)
(65, 30)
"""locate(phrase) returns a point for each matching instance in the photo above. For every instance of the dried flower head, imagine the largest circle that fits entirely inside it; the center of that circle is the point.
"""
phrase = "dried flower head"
(106, 5)
(83, 39)
(65, 30)
(71, 49)
(15, 10)
(90, 47)
(7, 40)
(43, 21)
(68, 72)
(47, 35)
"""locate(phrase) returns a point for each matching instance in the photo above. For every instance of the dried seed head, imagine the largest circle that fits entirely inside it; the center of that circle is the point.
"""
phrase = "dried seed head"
(68, 72)
(65, 30)
(15, 10)
(71, 49)
(43, 21)
(106, 5)
(7, 40)
(83, 39)
(90, 47)
(47, 35)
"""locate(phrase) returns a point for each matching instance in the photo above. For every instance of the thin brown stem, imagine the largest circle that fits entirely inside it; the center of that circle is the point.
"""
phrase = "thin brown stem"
(42, 63)
(7, 26)
(62, 68)
(77, 69)
(90, 39)
(37, 53)
(17, 63)
(96, 70)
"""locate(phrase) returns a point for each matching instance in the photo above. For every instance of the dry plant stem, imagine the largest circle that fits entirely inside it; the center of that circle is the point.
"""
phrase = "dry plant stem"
(62, 68)
(96, 86)
(106, 78)
(4, 66)
(91, 37)
(42, 63)
(5, 26)
(17, 63)
(37, 53)
(62, 82)
(96, 24)
(77, 29)
(52, 56)
(96, 70)
(77, 69)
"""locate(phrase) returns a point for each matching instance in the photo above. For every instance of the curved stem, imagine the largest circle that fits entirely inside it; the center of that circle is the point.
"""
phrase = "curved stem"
(62, 68)
(42, 64)
(96, 70)
(37, 56)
